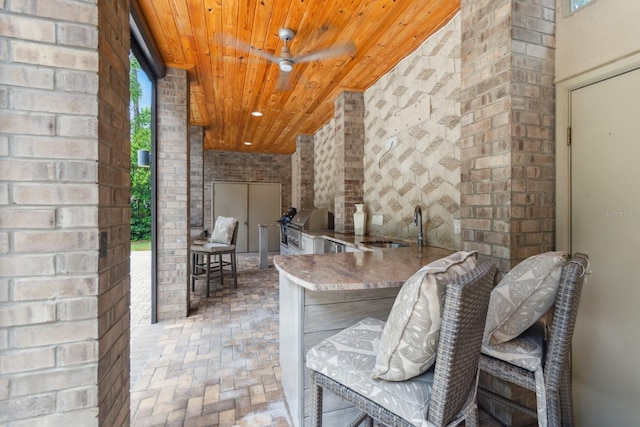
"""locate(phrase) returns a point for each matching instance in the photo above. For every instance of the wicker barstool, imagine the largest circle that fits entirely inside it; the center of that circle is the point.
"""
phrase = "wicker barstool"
(446, 393)
(548, 371)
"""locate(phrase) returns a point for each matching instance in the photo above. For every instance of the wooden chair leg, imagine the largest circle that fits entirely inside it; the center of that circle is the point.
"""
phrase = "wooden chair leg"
(316, 405)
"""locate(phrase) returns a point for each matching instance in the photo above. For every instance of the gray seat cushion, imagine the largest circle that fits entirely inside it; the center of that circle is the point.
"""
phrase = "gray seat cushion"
(525, 351)
(349, 358)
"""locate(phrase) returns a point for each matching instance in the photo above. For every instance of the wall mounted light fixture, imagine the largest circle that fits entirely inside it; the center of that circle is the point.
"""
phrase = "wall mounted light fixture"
(143, 158)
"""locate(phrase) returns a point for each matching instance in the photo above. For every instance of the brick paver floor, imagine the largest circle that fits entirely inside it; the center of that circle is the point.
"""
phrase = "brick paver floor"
(217, 367)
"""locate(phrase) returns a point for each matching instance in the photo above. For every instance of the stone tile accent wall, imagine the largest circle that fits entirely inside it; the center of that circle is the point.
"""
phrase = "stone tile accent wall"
(349, 142)
(196, 162)
(173, 195)
(64, 181)
(233, 166)
(325, 167)
(417, 103)
(508, 150)
(302, 164)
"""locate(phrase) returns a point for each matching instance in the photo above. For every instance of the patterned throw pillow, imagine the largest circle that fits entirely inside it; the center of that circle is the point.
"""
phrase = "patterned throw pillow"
(523, 296)
(223, 230)
(409, 341)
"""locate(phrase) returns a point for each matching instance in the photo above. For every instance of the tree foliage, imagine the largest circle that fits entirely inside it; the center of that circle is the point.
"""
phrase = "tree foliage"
(140, 176)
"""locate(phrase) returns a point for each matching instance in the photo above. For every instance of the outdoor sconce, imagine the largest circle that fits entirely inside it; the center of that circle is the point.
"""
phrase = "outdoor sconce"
(143, 158)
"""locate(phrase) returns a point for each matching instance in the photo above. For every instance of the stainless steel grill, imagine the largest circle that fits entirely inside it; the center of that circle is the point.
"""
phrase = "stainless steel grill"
(306, 220)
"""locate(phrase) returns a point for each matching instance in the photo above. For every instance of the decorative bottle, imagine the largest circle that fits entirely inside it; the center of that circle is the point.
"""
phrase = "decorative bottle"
(360, 220)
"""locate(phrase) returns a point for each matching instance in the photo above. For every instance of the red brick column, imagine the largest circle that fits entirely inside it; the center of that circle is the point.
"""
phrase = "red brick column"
(303, 173)
(64, 213)
(196, 182)
(507, 145)
(349, 138)
(172, 158)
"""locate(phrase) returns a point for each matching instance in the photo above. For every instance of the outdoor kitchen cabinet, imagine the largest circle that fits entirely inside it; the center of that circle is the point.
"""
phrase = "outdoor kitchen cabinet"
(311, 244)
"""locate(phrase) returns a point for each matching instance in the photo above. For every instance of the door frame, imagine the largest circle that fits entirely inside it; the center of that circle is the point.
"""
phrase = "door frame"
(563, 153)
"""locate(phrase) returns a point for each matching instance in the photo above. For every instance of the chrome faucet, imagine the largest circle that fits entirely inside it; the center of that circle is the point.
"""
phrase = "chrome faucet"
(417, 220)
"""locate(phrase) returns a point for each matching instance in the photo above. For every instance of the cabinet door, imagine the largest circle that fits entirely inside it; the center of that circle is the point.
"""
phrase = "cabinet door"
(231, 199)
(252, 204)
(306, 244)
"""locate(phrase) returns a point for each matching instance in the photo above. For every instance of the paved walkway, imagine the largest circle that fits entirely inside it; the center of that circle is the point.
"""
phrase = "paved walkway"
(218, 367)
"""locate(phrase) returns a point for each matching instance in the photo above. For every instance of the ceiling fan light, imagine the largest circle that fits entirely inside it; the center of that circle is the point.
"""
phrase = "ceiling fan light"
(286, 65)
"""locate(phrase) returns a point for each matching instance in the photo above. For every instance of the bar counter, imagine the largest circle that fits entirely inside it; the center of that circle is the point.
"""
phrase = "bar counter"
(325, 293)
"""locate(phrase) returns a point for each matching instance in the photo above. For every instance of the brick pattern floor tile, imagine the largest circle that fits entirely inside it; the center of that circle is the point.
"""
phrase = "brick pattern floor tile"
(217, 367)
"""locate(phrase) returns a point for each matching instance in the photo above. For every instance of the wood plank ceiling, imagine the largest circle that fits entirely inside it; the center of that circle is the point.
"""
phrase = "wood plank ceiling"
(228, 82)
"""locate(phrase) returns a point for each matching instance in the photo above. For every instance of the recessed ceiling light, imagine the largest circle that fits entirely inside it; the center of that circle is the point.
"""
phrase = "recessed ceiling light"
(247, 143)
(257, 114)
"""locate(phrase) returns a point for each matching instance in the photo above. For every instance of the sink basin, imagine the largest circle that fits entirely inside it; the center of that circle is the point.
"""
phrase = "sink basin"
(385, 244)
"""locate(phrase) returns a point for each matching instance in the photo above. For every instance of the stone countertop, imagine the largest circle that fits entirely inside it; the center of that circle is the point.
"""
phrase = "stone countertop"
(384, 268)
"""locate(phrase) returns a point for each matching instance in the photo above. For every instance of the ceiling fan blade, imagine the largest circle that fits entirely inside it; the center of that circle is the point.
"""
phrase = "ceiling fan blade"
(283, 81)
(240, 45)
(326, 53)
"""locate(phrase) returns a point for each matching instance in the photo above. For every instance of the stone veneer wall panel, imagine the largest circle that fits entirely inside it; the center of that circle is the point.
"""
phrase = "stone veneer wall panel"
(173, 187)
(325, 167)
(508, 149)
(230, 166)
(64, 181)
(417, 103)
(196, 166)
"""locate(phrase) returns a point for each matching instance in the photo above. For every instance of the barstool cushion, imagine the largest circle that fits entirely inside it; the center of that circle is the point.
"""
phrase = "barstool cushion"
(349, 357)
(525, 351)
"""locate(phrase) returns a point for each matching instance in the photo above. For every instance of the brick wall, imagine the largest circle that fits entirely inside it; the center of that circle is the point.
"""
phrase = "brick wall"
(508, 189)
(507, 145)
(349, 140)
(173, 187)
(196, 162)
(230, 166)
(64, 181)
(302, 162)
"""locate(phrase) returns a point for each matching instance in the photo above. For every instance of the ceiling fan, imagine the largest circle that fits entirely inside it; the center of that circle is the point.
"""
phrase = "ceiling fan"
(286, 60)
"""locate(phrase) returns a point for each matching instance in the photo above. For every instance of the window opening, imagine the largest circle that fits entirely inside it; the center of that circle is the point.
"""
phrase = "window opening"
(577, 4)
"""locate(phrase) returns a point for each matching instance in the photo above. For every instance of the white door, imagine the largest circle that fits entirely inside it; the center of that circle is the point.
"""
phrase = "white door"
(605, 224)
(232, 199)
